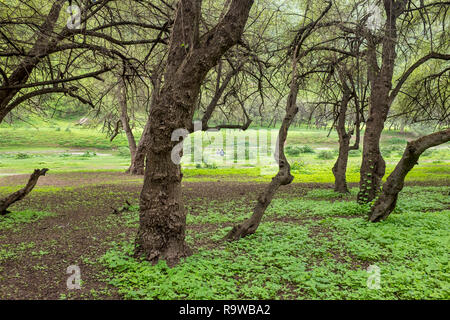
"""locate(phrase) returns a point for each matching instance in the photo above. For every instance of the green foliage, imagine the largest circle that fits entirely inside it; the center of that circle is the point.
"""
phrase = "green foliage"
(88, 154)
(325, 155)
(16, 219)
(297, 166)
(22, 155)
(124, 152)
(297, 150)
(354, 153)
(397, 140)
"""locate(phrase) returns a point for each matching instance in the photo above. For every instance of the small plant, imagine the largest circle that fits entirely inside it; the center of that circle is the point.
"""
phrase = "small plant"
(22, 155)
(297, 166)
(293, 151)
(325, 155)
(65, 155)
(397, 141)
(354, 153)
(307, 149)
(88, 154)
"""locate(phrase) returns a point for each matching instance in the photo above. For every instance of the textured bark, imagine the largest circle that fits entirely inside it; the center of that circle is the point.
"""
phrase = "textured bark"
(137, 166)
(125, 119)
(385, 204)
(340, 167)
(22, 193)
(162, 228)
(373, 166)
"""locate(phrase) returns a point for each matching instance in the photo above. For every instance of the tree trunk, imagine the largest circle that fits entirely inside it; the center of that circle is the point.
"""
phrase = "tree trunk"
(340, 167)
(162, 227)
(385, 204)
(125, 120)
(373, 166)
(283, 176)
(137, 166)
(22, 193)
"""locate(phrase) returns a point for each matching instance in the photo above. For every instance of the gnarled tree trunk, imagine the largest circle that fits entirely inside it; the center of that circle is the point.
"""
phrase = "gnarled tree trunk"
(137, 166)
(125, 119)
(340, 167)
(385, 204)
(162, 227)
(22, 193)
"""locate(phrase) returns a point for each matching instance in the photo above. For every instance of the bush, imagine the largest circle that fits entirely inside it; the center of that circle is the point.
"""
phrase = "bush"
(87, 154)
(293, 151)
(297, 166)
(21, 155)
(325, 155)
(397, 141)
(307, 149)
(296, 150)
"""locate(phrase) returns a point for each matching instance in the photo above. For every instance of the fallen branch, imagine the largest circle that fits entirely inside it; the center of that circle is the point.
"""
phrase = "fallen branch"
(22, 193)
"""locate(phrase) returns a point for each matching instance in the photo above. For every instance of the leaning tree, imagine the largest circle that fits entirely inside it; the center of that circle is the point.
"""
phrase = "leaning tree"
(406, 23)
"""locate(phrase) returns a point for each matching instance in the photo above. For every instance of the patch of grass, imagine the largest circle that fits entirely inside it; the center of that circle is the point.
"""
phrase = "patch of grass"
(16, 219)
(325, 155)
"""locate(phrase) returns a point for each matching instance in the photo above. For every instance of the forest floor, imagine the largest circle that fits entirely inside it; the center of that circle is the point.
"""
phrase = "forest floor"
(312, 243)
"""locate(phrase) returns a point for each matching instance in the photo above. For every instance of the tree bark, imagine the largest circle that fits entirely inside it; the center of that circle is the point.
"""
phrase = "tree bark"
(161, 234)
(385, 204)
(22, 193)
(137, 166)
(373, 166)
(340, 167)
(125, 119)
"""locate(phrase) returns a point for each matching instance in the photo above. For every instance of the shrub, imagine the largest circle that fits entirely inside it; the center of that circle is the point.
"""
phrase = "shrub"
(297, 150)
(87, 154)
(397, 141)
(325, 155)
(297, 166)
(307, 149)
(22, 155)
(292, 151)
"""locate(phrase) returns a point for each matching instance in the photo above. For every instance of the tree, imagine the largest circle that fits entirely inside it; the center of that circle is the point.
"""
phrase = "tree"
(283, 177)
(387, 200)
(191, 55)
(40, 55)
(382, 91)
